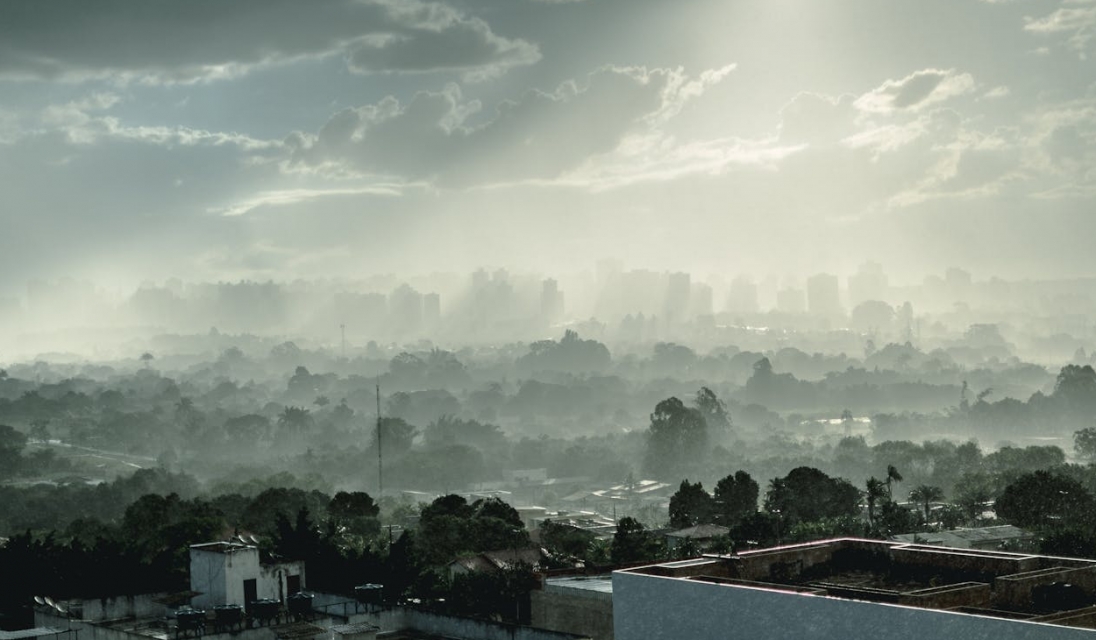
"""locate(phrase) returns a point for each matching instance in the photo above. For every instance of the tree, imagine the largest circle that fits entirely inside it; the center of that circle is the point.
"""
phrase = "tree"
(250, 427)
(11, 448)
(449, 526)
(677, 436)
(1084, 443)
(892, 477)
(633, 543)
(447, 431)
(807, 494)
(565, 540)
(690, 505)
(1042, 498)
(735, 498)
(1075, 391)
(356, 511)
(496, 525)
(39, 429)
(925, 495)
(847, 421)
(874, 494)
(397, 435)
(571, 354)
(295, 420)
(713, 409)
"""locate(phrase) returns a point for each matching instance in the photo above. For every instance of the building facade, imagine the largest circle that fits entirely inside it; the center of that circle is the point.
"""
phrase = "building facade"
(851, 589)
(233, 573)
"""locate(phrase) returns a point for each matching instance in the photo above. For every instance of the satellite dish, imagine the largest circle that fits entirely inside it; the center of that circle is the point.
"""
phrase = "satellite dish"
(49, 601)
(39, 600)
(254, 540)
(60, 609)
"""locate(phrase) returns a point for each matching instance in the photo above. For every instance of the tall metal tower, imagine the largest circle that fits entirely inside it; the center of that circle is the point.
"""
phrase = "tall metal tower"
(380, 454)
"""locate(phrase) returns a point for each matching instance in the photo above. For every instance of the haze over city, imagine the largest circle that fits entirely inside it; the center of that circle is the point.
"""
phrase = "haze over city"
(552, 319)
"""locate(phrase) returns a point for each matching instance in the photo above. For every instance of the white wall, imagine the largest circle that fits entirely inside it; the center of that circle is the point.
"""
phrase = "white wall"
(219, 577)
(654, 608)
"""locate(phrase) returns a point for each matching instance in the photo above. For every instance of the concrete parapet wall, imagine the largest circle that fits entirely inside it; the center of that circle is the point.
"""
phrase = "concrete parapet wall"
(1015, 590)
(589, 613)
(139, 606)
(965, 594)
(957, 560)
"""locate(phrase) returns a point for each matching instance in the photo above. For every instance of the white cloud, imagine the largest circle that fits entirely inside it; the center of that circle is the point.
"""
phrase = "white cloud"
(1078, 23)
(83, 124)
(916, 91)
(539, 136)
(205, 40)
(282, 197)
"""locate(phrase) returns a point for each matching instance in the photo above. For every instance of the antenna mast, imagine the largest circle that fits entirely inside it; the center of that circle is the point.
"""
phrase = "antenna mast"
(380, 455)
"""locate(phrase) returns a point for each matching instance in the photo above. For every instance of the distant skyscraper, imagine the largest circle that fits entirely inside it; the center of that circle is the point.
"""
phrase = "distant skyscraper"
(406, 311)
(431, 311)
(551, 302)
(868, 283)
(742, 297)
(700, 303)
(790, 300)
(823, 296)
(678, 293)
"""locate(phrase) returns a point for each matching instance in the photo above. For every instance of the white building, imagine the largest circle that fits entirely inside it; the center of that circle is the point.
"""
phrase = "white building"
(851, 589)
(232, 573)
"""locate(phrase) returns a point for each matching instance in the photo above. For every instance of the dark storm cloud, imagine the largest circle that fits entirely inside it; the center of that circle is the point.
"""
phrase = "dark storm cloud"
(160, 41)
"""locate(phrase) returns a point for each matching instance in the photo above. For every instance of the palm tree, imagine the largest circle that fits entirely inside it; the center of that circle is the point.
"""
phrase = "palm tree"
(874, 494)
(925, 495)
(294, 420)
(892, 476)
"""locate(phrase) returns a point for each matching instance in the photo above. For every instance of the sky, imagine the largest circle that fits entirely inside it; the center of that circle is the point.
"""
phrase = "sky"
(278, 139)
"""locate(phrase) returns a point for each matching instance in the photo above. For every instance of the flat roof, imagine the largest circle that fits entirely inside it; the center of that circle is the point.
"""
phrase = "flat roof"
(222, 547)
(35, 632)
(1044, 589)
(600, 584)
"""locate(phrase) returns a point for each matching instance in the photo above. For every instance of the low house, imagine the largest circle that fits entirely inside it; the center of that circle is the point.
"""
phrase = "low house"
(597, 524)
(493, 561)
(987, 538)
(702, 536)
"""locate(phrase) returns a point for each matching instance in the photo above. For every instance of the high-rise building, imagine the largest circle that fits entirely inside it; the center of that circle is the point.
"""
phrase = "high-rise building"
(551, 302)
(676, 302)
(823, 295)
(405, 311)
(791, 300)
(868, 283)
(431, 311)
(700, 300)
(742, 297)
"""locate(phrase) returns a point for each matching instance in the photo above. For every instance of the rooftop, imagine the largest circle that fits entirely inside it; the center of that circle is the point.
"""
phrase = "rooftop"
(700, 532)
(1060, 591)
(600, 584)
(222, 547)
(36, 632)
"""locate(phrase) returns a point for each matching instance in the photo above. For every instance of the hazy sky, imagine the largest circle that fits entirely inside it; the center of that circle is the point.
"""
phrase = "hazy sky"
(218, 139)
